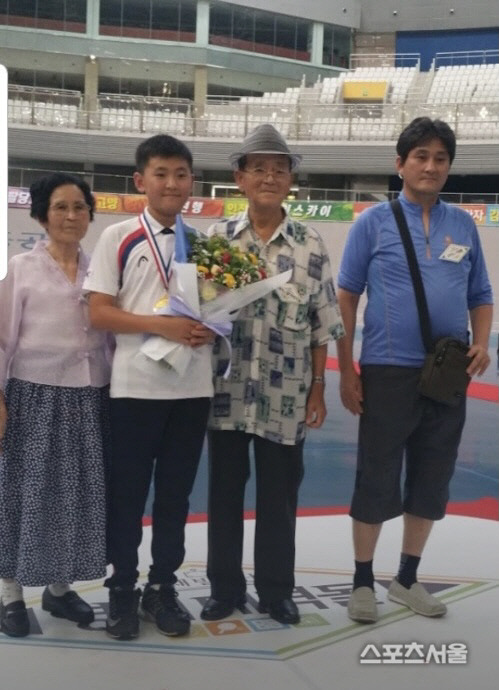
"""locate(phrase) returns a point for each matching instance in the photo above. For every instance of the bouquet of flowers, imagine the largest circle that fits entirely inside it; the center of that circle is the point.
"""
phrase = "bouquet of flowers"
(211, 281)
(221, 265)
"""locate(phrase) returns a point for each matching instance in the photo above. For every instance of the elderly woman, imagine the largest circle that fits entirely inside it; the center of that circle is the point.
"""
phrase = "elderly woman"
(54, 369)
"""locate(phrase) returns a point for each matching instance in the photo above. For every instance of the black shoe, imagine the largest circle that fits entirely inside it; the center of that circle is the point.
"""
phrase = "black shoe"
(123, 619)
(161, 607)
(215, 609)
(14, 620)
(284, 611)
(69, 606)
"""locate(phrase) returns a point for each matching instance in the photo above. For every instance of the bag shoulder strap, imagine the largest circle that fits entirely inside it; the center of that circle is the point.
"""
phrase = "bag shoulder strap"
(417, 281)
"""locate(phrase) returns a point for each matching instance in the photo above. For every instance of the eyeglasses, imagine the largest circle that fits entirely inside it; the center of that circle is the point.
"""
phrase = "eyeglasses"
(261, 173)
(63, 209)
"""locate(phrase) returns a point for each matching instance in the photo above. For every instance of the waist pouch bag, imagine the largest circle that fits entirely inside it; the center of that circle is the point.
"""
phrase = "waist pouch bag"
(443, 377)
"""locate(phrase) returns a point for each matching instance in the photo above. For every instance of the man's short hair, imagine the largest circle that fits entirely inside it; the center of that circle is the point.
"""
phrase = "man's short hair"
(161, 145)
(422, 130)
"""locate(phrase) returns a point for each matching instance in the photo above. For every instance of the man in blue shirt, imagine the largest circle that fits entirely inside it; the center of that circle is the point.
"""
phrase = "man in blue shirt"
(394, 418)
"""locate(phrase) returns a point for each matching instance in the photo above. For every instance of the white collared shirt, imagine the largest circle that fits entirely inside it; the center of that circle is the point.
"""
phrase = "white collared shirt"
(122, 265)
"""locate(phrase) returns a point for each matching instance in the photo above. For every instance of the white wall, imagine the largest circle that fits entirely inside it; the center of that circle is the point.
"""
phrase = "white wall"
(377, 15)
(329, 11)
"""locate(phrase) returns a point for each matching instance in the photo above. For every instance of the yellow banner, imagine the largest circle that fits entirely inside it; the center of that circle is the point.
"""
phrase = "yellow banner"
(372, 91)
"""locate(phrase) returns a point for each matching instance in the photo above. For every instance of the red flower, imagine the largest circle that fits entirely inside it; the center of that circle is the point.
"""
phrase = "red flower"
(226, 257)
(262, 273)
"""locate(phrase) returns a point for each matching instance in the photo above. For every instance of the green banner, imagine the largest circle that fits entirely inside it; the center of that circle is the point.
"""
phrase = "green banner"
(302, 210)
(320, 210)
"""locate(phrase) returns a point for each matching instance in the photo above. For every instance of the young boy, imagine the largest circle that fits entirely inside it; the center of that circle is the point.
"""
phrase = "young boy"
(157, 425)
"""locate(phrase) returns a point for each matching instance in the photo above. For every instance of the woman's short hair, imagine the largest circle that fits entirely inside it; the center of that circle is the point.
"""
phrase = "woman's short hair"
(42, 189)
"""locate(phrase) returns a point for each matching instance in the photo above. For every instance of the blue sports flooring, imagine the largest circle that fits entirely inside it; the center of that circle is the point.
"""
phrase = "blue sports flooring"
(330, 455)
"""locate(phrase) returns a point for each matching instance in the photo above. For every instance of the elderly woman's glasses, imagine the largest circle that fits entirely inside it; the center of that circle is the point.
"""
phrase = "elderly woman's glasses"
(64, 209)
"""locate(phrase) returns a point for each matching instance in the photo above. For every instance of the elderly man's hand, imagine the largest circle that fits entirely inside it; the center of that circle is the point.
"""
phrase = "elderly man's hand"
(316, 407)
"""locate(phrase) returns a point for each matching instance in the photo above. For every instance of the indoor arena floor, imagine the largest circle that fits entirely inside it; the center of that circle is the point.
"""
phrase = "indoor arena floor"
(326, 651)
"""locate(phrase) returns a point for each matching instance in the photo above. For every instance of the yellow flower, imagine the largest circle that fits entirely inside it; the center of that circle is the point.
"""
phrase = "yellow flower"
(252, 258)
(229, 280)
(202, 269)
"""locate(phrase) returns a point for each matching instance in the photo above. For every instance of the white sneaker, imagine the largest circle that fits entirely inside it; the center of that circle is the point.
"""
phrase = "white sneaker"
(417, 599)
(362, 605)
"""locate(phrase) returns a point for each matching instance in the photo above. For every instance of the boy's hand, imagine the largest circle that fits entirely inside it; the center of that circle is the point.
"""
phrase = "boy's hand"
(186, 331)
(200, 335)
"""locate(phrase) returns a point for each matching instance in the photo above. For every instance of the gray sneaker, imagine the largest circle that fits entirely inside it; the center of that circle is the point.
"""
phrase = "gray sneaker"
(362, 605)
(417, 599)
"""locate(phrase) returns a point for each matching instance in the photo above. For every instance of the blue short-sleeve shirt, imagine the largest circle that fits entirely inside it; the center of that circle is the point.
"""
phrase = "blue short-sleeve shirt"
(374, 260)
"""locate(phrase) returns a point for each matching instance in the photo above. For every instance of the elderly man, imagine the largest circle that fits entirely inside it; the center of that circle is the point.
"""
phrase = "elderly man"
(394, 417)
(275, 389)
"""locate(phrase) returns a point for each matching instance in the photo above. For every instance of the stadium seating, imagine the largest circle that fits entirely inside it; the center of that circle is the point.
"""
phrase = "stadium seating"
(467, 96)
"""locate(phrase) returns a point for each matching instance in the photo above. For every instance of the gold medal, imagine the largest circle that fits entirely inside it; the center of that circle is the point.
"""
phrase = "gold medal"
(161, 303)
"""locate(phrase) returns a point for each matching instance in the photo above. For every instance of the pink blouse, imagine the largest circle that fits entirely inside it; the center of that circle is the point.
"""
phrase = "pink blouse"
(45, 333)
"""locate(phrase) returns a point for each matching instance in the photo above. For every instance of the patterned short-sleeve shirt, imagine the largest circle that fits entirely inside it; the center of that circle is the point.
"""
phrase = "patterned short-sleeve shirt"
(272, 339)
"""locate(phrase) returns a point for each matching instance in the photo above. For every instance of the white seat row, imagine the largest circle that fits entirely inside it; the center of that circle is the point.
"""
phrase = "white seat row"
(175, 123)
(282, 124)
(289, 97)
(224, 126)
(234, 125)
(368, 129)
(329, 92)
(133, 120)
(465, 84)
(329, 128)
(120, 119)
(386, 69)
(42, 113)
(375, 130)
(477, 128)
(468, 68)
